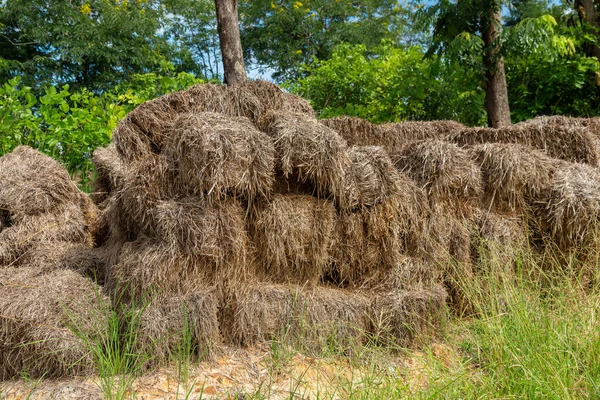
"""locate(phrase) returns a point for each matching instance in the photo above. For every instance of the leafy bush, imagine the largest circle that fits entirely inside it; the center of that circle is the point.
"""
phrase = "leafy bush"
(391, 84)
(70, 125)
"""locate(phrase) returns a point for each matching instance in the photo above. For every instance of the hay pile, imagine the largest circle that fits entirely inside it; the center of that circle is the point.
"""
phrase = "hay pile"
(45, 216)
(46, 320)
(232, 214)
(217, 189)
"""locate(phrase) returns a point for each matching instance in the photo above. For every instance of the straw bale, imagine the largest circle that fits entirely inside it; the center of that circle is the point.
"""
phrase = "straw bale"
(297, 105)
(371, 176)
(179, 324)
(293, 235)
(110, 170)
(446, 127)
(407, 317)
(500, 238)
(574, 144)
(147, 181)
(217, 231)
(198, 244)
(33, 183)
(543, 121)
(48, 256)
(308, 150)
(66, 224)
(154, 119)
(313, 317)
(130, 142)
(444, 171)
(219, 155)
(148, 267)
(374, 238)
(513, 174)
(38, 316)
(569, 208)
(409, 273)
(451, 251)
(356, 131)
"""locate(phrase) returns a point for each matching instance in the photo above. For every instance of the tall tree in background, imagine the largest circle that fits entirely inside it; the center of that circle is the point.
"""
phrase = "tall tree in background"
(496, 93)
(231, 45)
(588, 13)
(464, 18)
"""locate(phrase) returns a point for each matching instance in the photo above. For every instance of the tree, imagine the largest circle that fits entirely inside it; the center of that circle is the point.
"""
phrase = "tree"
(88, 43)
(282, 35)
(231, 45)
(190, 27)
(588, 14)
(496, 92)
(483, 18)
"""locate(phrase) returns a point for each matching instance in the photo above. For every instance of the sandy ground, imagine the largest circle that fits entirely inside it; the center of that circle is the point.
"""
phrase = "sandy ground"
(245, 373)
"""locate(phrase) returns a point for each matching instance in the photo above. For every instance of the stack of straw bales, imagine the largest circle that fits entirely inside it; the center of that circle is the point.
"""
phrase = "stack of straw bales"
(238, 205)
(46, 307)
(233, 214)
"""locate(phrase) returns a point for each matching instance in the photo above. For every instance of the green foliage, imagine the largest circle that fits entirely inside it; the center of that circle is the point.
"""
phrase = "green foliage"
(283, 34)
(69, 125)
(396, 84)
(85, 43)
(546, 74)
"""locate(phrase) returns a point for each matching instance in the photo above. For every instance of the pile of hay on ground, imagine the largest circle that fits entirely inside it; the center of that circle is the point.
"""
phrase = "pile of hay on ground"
(314, 318)
(513, 174)
(567, 143)
(219, 155)
(294, 235)
(46, 322)
(42, 207)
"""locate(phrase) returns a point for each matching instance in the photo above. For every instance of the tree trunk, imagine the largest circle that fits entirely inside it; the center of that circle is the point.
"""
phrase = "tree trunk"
(496, 93)
(587, 13)
(231, 45)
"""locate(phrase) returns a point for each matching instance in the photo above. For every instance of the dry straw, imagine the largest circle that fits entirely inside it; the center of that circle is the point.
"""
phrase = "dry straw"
(178, 324)
(570, 206)
(110, 173)
(198, 244)
(499, 239)
(313, 318)
(293, 235)
(39, 313)
(147, 181)
(407, 317)
(513, 174)
(33, 183)
(568, 143)
(217, 155)
(356, 131)
(308, 151)
(444, 171)
(371, 176)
